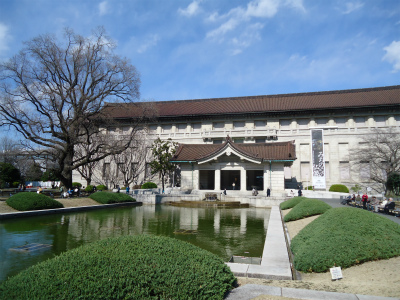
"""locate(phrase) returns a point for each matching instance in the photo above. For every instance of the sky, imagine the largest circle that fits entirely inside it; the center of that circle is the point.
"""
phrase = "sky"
(194, 49)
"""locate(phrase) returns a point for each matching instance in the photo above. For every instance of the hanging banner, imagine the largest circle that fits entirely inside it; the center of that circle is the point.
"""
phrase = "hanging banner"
(318, 161)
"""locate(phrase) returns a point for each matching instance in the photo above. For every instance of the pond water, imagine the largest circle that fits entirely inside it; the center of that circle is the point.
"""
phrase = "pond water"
(222, 231)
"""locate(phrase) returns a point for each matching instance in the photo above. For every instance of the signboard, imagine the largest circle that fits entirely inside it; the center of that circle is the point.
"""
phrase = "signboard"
(318, 161)
(336, 273)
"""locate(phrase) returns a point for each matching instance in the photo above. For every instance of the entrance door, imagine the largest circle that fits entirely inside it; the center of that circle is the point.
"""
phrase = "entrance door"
(230, 180)
(255, 179)
(207, 179)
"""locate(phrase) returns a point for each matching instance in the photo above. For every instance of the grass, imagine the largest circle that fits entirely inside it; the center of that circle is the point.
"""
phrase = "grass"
(292, 202)
(345, 237)
(307, 208)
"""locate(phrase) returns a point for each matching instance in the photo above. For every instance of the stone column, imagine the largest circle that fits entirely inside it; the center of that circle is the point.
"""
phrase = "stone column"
(217, 179)
(242, 179)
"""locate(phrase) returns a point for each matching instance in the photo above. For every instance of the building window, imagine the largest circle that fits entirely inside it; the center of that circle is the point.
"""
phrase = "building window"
(259, 124)
(344, 170)
(196, 127)
(260, 141)
(321, 121)
(305, 170)
(344, 152)
(340, 122)
(238, 124)
(181, 127)
(238, 141)
(217, 141)
(302, 123)
(365, 172)
(360, 121)
(219, 125)
(380, 121)
(167, 128)
(285, 124)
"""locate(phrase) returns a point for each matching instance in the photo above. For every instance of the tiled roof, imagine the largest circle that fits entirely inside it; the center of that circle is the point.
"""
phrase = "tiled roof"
(369, 97)
(257, 151)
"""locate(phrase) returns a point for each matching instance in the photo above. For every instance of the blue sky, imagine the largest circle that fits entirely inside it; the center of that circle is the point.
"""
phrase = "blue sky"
(189, 49)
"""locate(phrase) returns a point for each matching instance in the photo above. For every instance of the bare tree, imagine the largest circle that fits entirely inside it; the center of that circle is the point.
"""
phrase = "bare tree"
(9, 150)
(378, 156)
(53, 93)
(132, 162)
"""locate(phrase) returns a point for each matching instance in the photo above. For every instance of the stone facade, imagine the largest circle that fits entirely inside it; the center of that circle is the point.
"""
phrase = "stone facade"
(344, 129)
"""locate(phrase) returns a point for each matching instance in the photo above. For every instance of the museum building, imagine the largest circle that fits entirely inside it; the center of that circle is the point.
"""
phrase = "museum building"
(241, 143)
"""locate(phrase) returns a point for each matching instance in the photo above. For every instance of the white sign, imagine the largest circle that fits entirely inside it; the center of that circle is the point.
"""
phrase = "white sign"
(336, 273)
(318, 161)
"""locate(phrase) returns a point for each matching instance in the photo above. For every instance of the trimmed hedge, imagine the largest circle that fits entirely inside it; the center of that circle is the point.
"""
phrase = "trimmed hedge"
(128, 267)
(32, 201)
(292, 202)
(345, 237)
(339, 188)
(149, 185)
(89, 188)
(108, 198)
(307, 208)
(76, 184)
(101, 187)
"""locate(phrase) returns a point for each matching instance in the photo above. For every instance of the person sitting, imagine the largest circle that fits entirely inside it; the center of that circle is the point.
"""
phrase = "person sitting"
(389, 206)
(373, 205)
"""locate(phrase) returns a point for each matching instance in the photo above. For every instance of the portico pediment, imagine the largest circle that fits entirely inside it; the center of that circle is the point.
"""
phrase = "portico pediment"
(229, 151)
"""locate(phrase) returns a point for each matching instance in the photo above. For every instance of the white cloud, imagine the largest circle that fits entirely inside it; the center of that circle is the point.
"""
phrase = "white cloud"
(393, 55)
(103, 8)
(352, 6)
(262, 8)
(151, 41)
(3, 37)
(192, 9)
(296, 4)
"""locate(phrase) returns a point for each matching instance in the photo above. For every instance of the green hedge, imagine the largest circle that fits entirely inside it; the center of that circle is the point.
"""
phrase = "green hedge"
(149, 185)
(76, 184)
(108, 198)
(101, 187)
(292, 202)
(345, 237)
(128, 267)
(307, 208)
(339, 188)
(32, 201)
(89, 188)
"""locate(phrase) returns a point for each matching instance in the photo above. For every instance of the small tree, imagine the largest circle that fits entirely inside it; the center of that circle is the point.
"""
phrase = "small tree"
(8, 174)
(162, 152)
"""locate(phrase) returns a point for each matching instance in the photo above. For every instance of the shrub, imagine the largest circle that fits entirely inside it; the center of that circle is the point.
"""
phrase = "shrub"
(339, 188)
(76, 184)
(307, 208)
(101, 187)
(32, 201)
(127, 267)
(345, 237)
(149, 185)
(291, 202)
(89, 188)
(309, 188)
(108, 198)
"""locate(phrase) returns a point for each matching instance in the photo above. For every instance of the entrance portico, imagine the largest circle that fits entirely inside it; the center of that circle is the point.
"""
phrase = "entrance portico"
(236, 167)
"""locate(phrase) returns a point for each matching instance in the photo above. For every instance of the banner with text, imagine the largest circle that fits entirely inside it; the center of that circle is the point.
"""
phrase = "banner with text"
(318, 162)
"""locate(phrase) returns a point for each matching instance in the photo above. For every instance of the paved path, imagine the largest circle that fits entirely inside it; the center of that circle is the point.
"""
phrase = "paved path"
(336, 203)
(251, 291)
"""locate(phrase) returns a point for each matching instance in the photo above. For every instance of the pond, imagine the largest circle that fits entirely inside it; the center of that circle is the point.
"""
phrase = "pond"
(222, 231)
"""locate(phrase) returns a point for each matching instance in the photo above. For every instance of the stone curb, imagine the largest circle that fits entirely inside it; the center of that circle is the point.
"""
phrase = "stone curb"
(64, 210)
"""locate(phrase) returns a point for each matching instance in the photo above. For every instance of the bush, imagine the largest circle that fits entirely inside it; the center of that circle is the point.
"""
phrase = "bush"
(291, 202)
(345, 237)
(339, 188)
(309, 188)
(149, 185)
(32, 201)
(128, 267)
(307, 208)
(108, 198)
(89, 188)
(101, 187)
(76, 184)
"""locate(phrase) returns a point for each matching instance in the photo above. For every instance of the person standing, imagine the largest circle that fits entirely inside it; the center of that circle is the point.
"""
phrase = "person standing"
(268, 192)
(364, 200)
(127, 190)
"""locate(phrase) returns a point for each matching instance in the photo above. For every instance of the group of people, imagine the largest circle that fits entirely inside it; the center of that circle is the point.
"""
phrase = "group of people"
(371, 204)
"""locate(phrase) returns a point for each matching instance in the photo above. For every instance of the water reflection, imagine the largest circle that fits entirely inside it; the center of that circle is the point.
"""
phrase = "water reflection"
(225, 232)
